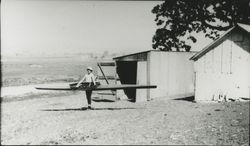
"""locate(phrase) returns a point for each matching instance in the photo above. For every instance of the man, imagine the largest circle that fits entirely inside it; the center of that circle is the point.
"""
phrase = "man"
(88, 81)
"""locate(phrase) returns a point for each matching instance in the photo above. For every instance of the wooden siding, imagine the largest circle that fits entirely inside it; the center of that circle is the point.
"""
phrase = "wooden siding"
(225, 70)
(172, 72)
(141, 94)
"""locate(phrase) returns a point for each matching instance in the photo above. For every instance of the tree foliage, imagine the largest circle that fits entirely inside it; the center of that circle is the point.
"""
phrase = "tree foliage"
(178, 18)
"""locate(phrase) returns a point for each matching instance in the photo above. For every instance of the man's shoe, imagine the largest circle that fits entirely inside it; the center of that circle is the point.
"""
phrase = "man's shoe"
(83, 108)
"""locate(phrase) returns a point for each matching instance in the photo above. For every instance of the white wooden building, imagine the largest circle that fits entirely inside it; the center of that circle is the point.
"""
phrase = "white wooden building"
(222, 69)
(172, 72)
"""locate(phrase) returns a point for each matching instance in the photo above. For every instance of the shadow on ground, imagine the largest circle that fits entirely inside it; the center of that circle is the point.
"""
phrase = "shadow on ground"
(189, 98)
(85, 108)
(102, 100)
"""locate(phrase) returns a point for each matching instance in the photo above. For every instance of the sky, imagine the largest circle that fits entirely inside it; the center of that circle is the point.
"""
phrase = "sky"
(42, 27)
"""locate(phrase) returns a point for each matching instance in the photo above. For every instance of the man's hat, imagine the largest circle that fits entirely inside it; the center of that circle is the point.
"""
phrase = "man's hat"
(90, 68)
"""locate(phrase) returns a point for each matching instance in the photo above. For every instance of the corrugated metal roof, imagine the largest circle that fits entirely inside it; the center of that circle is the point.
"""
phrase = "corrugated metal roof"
(243, 27)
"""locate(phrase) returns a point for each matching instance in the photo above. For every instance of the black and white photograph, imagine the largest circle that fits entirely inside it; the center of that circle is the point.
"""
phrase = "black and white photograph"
(125, 72)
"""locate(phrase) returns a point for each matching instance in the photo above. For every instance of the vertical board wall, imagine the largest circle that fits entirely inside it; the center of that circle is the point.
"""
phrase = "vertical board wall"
(172, 72)
(141, 94)
(225, 70)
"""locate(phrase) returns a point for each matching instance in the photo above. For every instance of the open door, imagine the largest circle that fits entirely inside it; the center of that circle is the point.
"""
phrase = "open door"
(127, 71)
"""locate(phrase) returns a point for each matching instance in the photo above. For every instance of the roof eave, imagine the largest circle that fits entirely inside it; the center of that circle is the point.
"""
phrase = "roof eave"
(211, 45)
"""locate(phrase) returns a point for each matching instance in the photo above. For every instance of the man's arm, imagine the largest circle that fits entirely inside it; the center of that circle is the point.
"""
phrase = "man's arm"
(79, 83)
(93, 79)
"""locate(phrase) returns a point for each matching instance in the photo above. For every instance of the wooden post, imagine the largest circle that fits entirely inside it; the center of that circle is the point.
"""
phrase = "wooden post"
(116, 96)
(106, 64)
(103, 73)
(148, 74)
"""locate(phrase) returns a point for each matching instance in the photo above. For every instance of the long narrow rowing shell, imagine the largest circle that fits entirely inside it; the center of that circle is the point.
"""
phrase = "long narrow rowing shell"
(99, 87)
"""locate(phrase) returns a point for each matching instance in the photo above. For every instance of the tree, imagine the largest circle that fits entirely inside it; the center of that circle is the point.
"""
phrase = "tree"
(179, 18)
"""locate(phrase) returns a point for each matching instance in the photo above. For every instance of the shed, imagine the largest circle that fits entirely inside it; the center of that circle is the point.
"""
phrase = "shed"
(222, 69)
(172, 72)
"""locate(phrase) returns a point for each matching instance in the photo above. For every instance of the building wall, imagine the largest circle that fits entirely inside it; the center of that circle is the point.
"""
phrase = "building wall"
(142, 94)
(172, 72)
(225, 70)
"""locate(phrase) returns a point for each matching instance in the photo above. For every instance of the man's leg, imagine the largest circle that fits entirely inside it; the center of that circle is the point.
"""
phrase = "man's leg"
(88, 95)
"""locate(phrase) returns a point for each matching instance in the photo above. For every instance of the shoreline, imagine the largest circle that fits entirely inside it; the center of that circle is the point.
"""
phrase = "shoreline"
(25, 92)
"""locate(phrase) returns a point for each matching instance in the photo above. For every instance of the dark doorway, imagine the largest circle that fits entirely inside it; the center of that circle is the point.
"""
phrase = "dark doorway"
(127, 71)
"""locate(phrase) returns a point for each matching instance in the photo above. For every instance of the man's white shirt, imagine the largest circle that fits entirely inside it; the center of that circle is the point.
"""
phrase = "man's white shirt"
(89, 77)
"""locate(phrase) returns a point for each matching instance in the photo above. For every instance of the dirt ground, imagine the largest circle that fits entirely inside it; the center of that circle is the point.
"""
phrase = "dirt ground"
(60, 120)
